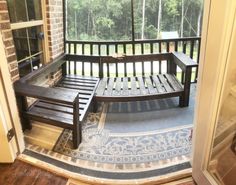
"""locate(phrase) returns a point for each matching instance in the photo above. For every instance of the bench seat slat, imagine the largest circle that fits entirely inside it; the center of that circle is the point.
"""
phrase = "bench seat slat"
(82, 81)
(142, 88)
(80, 90)
(158, 84)
(117, 87)
(134, 89)
(52, 114)
(165, 83)
(110, 86)
(174, 82)
(102, 86)
(151, 89)
(62, 108)
(85, 78)
(82, 86)
(125, 89)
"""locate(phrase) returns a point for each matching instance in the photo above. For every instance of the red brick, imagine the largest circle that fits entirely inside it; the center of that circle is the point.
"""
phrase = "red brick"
(3, 5)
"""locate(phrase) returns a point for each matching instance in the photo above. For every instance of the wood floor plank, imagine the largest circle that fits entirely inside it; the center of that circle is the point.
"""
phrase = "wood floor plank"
(21, 173)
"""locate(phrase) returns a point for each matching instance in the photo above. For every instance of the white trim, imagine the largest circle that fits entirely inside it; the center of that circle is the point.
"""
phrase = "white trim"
(10, 96)
(217, 29)
(20, 25)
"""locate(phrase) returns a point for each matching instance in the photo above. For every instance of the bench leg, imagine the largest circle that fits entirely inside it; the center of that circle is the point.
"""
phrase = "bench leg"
(184, 98)
(183, 101)
(77, 135)
(22, 106)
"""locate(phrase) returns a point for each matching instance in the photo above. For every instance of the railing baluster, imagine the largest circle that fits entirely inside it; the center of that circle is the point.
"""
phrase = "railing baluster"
(125, 69)
(75, 48)
(133, 48)
(160, 60)
(117, 69)
(152, 67)
(167, 47)
(108, 51)
(184, 46)
(151, 48)
(69, 48)
(69, 67)
(75, 72)
(142, 48)
(176, 45)
(108, 70)
(99, 49)
(82, 68)
(134, 69)
(116, 48)
(124, 48)
(82, 49)
(143, 73)
(91, 49)
(191, 48)
(91, 69)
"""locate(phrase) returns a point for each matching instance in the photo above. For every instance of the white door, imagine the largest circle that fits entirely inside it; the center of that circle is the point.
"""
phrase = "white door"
(8, 151)
(10, 147)
(215, 107)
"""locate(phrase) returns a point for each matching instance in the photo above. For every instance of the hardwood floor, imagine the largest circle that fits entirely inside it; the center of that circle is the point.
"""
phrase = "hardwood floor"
(20, 173)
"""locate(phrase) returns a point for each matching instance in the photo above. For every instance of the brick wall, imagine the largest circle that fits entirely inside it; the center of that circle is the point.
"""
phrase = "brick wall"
(54, 24)
(54, 11)
(8, 40)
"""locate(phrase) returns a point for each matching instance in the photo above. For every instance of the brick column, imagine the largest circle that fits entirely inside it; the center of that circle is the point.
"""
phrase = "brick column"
(6, 32)
(54, 14)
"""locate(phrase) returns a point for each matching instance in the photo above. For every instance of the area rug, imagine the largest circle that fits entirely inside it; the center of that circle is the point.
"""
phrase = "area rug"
(134, 132)
(104, 146)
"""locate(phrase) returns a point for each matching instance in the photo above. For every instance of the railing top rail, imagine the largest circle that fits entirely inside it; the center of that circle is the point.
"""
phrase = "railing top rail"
(131, 42)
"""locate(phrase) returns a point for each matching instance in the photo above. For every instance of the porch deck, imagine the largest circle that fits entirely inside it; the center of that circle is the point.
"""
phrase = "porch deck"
(151, 137)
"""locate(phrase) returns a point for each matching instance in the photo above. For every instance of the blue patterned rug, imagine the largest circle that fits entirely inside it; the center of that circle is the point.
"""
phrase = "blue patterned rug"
(134, 132)
(104, 146)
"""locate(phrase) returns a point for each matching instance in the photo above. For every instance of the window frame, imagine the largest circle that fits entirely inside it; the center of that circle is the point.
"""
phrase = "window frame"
(34, 23)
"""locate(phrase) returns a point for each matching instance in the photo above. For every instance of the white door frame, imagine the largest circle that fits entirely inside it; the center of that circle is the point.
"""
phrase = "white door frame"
(9, 114)
(218, 25)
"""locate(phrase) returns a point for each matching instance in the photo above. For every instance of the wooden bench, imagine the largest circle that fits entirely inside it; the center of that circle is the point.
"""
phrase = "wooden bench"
(67, 103)
(58, 106)
(134, 87)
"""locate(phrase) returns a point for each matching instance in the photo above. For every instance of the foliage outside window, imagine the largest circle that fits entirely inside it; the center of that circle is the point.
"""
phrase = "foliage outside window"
(27, 37)
(112, 20)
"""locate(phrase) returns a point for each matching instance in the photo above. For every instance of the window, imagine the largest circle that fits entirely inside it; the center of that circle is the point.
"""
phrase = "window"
(27, 28)
(98, 20)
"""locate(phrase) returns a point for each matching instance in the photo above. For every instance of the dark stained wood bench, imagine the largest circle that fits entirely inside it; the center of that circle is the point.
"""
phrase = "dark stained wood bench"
(67, 103)
(58, 106)
(145, 87)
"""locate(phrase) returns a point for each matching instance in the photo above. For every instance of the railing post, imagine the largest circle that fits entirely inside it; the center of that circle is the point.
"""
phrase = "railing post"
(100, 68)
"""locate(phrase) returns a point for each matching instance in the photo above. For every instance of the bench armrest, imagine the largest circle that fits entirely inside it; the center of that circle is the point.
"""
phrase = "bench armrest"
(45, 93)
(183, 61)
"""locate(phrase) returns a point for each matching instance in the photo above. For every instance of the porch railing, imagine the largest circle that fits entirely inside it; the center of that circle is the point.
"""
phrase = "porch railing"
(190, 46)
